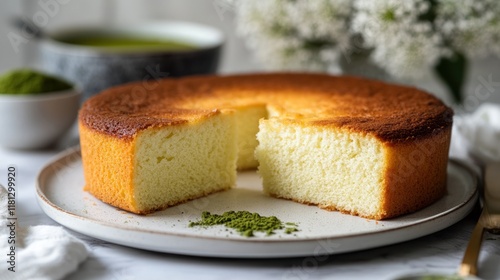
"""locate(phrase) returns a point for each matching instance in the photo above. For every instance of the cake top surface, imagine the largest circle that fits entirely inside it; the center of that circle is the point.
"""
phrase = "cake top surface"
(392, 113)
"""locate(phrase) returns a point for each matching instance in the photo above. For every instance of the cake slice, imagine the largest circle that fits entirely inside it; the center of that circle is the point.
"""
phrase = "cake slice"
(352, 172)
(163, 166)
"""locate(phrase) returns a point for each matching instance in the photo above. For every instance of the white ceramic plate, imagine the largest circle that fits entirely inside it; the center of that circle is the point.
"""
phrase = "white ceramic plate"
(61, 197)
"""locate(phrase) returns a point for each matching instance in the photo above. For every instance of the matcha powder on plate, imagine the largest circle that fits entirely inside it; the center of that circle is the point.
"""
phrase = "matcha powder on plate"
(27, 81)
(245, 223)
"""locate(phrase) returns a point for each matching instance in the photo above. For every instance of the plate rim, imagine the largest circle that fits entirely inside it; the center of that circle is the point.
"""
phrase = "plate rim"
(74, 154)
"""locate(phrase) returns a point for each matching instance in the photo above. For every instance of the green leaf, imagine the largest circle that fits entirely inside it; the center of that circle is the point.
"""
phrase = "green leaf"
(452, 71)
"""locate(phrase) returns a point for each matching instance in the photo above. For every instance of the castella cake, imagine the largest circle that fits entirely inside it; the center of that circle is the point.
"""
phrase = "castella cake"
(358, 146)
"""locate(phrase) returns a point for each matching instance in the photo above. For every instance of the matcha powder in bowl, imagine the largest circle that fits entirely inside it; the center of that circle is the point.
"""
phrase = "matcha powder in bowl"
(27, 81)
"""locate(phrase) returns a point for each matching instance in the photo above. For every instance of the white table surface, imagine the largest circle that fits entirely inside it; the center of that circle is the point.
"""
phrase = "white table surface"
(438, 252)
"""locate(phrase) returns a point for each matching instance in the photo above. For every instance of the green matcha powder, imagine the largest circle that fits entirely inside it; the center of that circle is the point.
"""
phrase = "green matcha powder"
(245, 223)
(26, 81)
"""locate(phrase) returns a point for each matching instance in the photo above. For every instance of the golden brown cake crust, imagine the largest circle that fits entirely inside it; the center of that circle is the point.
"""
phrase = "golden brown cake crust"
(392, 113)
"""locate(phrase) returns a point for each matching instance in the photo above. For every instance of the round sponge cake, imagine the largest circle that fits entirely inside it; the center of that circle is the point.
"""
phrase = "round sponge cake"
(359, 146)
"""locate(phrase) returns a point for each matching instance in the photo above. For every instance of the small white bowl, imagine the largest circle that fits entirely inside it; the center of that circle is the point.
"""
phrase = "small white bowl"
(36, 120)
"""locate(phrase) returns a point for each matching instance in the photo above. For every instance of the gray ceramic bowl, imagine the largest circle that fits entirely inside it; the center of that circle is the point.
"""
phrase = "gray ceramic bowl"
(95, 69)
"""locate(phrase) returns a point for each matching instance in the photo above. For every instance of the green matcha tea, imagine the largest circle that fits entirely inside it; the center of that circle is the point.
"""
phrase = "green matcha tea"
(28, 81)
(127, 43)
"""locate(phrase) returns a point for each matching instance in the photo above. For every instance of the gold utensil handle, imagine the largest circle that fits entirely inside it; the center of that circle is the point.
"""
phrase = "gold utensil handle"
(469, 262)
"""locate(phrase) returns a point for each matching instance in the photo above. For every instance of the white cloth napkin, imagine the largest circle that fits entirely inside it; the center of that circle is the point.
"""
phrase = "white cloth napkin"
(41, 252)
(476, 136)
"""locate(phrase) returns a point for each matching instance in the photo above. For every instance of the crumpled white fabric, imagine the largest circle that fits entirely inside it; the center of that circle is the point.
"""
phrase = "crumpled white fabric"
(42, 252)
(476, 136)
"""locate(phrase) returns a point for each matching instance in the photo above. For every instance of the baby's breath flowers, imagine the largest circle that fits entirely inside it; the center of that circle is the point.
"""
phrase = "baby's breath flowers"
(403, 43)
(295, 35)
(471, 26)
(407, 38)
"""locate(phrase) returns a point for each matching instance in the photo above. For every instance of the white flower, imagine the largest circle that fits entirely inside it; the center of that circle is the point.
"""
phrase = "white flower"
(472, 27)
(407, 38)
(295, 35)
(403, 44)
